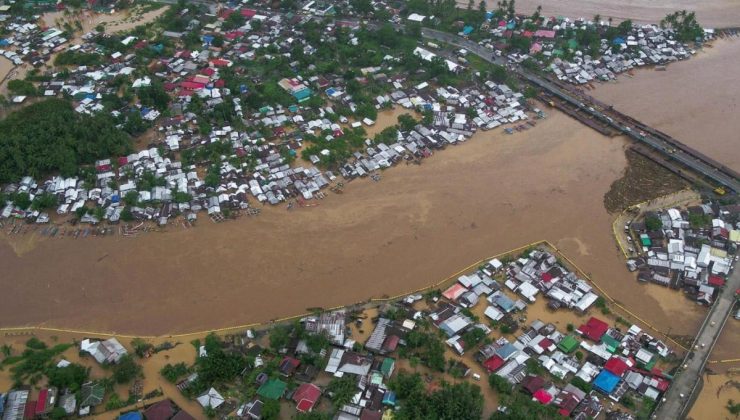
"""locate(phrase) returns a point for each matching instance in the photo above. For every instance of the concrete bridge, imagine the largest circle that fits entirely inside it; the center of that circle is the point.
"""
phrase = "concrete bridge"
(639, 132)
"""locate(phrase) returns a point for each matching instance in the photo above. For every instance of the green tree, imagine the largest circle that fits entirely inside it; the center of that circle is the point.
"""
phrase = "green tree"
(342, 389)
(126, 370)
(22, 87)
(279, 337)
(581, 384)
(499, 384)
(22, 200)
(71, 377)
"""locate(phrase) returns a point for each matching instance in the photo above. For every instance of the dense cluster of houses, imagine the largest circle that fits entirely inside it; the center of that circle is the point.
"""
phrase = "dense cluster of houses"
(645, 46)
(254, 167)
(642, 45)
(611, 360)
(692, 248)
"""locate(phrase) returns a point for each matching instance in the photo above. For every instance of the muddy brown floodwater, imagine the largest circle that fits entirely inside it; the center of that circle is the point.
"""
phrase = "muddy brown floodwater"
(416, 226)
(709, 13)
(696, 101)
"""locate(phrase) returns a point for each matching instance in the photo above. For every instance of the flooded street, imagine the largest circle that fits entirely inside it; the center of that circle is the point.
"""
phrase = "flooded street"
(415, 227)
(709, 13)
(695, 101)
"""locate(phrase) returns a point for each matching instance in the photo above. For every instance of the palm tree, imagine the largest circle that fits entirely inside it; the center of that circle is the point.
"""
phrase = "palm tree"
(6, 349)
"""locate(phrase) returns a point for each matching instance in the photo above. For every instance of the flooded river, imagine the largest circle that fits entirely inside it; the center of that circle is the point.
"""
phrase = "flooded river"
(696, 101)
(710, 13)
(416, 226)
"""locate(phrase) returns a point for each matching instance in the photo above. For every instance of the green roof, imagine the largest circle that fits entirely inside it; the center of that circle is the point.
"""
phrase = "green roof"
(92, 394)
(645, 240)
(272, 389)
(611, 343)
(387, 367)
(568, 344)
(302, 94)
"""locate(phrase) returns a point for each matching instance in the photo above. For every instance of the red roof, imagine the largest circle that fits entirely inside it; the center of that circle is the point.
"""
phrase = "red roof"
(219, 62)
(493, 363)
(616, 366)
(41, 403)
(546, 277)
(192, 85)
(391, 343)
(233, 35)
(219, 83)
(527, 34)
(248, 13)
(208, 71)
(545, 343)
(306, 396)
(162, 410)
(542, 396)
(29, 410)
(122, 160)
(594, 329)
(226, 13)
(716, 281)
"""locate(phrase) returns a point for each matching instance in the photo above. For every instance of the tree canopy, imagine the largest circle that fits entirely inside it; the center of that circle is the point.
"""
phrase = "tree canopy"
(50, 136)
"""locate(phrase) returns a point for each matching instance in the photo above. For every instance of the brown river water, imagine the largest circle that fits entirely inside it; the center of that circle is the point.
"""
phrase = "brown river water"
(709, 13)
(696, 101)
(416, 226)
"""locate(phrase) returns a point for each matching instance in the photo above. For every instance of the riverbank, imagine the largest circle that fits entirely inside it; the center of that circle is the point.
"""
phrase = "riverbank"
(419, 224)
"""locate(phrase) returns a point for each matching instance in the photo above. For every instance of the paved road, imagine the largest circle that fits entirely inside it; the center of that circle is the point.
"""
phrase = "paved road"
(669, 147)
(680, 396)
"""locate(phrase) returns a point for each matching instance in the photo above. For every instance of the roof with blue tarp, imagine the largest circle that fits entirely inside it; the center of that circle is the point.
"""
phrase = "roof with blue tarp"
(467, 30)
(207, 39)
(4, 42)
(134, 415)
(389, 398)
(606, 381)
(618, 40)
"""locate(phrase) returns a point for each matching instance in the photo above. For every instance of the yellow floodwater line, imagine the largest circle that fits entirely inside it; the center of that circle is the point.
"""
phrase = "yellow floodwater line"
(258, 324)
(724, 361)
(372, 300)
(606, 295)
(614, 224)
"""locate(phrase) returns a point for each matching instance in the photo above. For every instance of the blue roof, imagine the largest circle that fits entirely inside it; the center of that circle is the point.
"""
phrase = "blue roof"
(489, 15)
(618, 40)
(389, 398)
(4, 42)
(134, 415)
(506, 350)
(207, 39)
(606, 381)
(467, 30)
(503, 302)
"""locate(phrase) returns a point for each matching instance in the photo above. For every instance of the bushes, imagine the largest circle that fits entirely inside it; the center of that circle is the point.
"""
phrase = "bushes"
(126, 370)
(174, 372)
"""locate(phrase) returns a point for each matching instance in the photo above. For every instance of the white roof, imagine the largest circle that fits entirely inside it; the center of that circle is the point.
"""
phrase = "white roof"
(211, 399)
